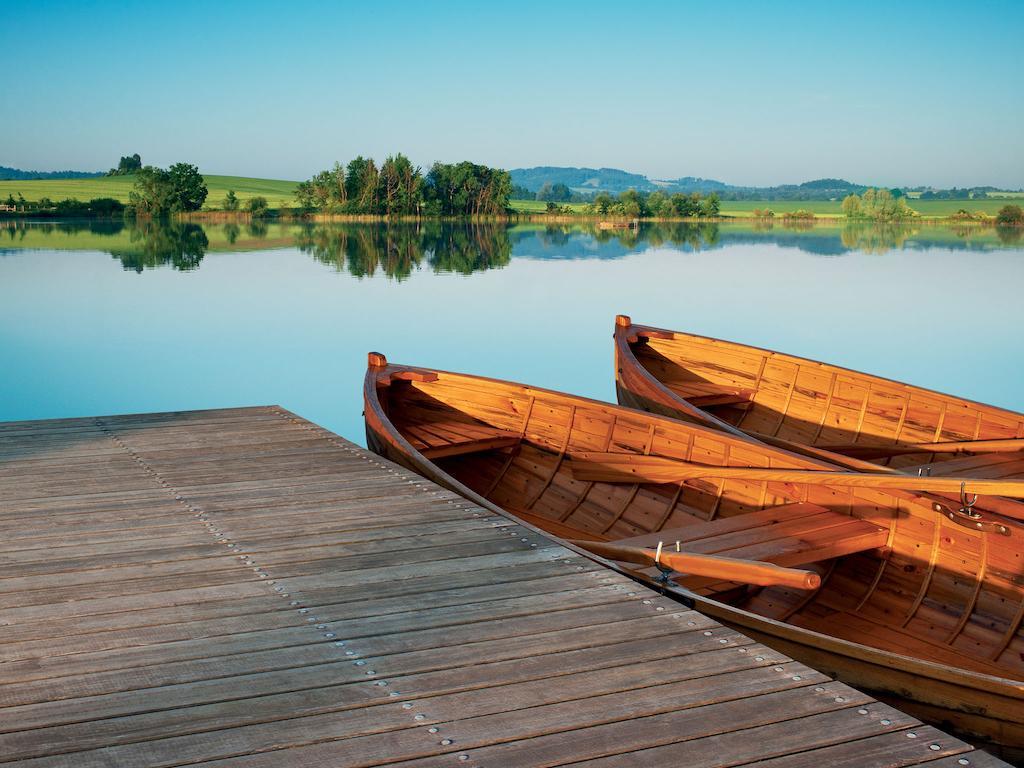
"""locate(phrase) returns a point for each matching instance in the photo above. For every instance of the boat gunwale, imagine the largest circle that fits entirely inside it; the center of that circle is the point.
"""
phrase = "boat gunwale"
(859, 652)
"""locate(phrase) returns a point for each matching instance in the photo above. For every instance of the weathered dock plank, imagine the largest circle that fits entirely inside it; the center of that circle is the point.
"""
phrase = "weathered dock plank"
(242, 588)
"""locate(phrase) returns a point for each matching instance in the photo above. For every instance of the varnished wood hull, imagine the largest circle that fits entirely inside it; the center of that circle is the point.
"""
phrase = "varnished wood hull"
(510, 448)
(778, 397)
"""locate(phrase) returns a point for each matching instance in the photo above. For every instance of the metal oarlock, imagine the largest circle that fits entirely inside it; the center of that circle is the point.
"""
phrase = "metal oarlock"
(967, 517)
(967, 507)
(664, 572)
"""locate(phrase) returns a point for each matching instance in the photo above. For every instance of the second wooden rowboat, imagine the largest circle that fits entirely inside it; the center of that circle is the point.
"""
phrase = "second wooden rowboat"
(845, 417)
(871, 583)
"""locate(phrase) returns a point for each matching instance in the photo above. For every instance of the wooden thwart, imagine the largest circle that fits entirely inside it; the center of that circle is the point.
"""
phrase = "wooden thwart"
(471, 446)
(721, 398)
(788, 535)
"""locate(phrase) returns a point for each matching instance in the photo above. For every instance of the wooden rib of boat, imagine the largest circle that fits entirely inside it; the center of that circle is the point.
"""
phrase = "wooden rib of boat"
(842, 416)
(921, 607)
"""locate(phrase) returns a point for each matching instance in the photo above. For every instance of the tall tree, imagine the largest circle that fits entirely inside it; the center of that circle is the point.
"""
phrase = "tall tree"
(189, 187)
(401, 186)
(158, 192)
(153, 194)
(127, 165)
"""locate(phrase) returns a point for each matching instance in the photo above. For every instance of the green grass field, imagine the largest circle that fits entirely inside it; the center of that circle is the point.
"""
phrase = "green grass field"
(118, 187)
(536, 206)
(927, 208)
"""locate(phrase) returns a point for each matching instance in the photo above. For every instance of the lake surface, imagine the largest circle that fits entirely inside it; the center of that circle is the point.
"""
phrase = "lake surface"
(106, 318)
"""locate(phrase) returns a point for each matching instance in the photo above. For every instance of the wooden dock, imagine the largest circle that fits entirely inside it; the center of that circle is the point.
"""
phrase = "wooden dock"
(243, 588)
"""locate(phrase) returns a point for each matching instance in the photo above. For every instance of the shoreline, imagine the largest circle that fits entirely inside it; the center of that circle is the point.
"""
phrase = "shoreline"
(621, 224)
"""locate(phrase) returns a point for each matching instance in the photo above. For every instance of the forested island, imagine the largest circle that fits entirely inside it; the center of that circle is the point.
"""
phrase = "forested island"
(399, 188)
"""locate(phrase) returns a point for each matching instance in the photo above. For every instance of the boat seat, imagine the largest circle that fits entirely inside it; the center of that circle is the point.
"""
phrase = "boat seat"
(742, 397)
(788, 535)
(704, 394)
(442, 439)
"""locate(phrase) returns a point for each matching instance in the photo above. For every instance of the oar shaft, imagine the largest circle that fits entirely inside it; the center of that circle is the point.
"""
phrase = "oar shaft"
(822, 454)
(636, 468)
(1006, 445)
(709, 566)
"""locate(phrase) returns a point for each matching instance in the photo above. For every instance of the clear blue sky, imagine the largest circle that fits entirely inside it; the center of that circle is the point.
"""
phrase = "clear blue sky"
(751, 93)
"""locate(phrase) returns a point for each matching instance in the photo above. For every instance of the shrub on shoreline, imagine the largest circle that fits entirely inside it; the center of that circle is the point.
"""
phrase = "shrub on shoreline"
(878, 204)
(1010, 216)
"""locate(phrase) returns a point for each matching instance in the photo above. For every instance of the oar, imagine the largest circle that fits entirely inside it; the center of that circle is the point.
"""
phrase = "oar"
(636, 468)
(996, 504)
(832, 457)
(1004, 445)
(709, 566)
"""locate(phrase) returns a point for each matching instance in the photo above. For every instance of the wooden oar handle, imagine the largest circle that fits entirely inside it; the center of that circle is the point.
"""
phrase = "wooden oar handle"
(710, 566)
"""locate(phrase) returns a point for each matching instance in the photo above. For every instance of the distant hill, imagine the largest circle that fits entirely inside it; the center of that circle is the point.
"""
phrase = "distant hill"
(692, 184)
(589, 181)
(581, 179)
(16, 174)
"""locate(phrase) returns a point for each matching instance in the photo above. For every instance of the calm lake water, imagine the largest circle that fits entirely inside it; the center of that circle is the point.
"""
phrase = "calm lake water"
(105, 318)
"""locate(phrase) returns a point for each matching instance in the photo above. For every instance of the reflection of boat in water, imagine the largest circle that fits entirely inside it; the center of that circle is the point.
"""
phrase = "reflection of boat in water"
(617, 224)
(844, 416)
(919, 608)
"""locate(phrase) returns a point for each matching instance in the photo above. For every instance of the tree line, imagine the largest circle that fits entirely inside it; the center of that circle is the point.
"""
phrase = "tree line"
(657, 204)
(44, 207)
(399, 188)
(878, 204)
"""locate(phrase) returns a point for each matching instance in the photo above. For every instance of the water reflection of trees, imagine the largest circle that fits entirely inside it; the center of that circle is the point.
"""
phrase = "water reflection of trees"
(1010, 235)
(682, 234)
(876, 237)
(155, 243)
(679, 234)
(396, 250)
(17, 229)
(138, 245)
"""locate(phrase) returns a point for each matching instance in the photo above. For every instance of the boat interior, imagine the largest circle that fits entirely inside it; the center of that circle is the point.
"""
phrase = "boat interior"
(842, 411)
(895, 574)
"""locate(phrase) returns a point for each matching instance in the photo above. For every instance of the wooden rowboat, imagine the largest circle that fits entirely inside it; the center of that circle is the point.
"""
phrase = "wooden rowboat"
(841, 416)
(854, 574)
